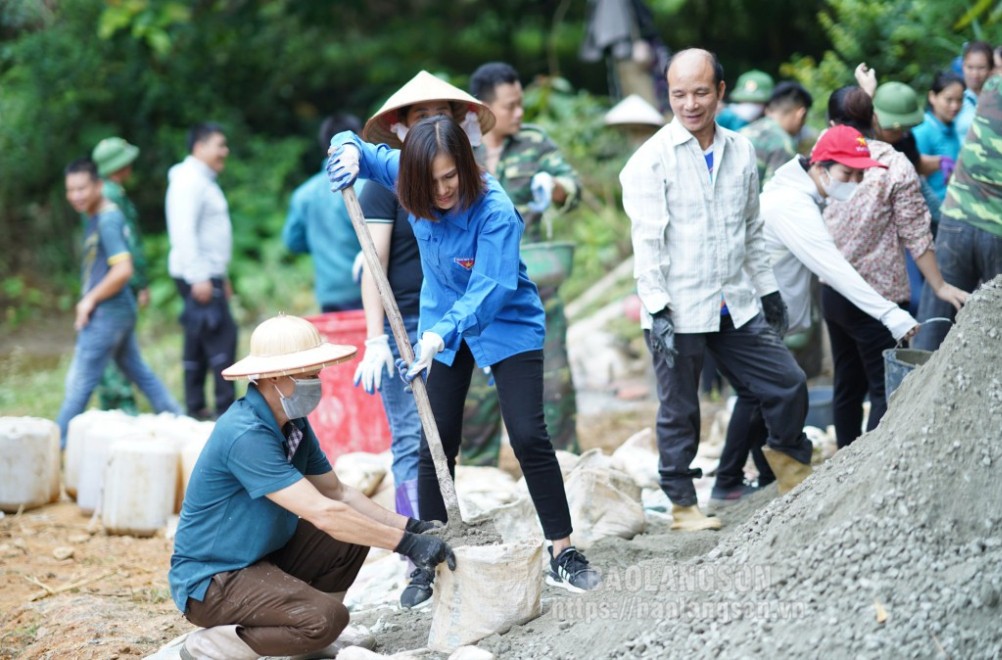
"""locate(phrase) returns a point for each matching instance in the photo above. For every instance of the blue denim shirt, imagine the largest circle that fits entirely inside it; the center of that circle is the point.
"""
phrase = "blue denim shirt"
(475, 284)
(227, 523)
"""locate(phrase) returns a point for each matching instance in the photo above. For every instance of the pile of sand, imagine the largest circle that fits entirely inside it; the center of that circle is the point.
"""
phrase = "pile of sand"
(892, 549)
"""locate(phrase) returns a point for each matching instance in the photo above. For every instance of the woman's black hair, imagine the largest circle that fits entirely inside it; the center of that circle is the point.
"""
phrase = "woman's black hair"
(944, 79)
(851, 106)
(425, 140)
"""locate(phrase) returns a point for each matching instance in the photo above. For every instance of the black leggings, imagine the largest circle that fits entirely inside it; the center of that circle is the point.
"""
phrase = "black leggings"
(519, 382)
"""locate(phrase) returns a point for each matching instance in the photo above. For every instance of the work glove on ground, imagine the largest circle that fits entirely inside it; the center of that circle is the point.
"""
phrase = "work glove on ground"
(663, 336)
(415, 526)
(370, 370)
(775, 313)
(542, 191)
(425, 351)
(426, 551)
(342, 166)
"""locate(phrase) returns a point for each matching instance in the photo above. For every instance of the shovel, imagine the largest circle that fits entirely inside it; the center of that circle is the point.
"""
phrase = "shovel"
(372, 264)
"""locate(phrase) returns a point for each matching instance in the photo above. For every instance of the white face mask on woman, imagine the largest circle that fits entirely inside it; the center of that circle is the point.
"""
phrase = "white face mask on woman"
(841, 191)
(304, 398)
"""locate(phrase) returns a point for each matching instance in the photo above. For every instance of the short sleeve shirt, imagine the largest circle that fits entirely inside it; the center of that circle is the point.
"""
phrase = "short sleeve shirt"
(227, 523)
(380, 205)
(105, 244)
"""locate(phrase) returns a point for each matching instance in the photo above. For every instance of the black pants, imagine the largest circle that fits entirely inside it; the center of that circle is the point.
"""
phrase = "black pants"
(746, 433)
(858, 343)
(210, 343)
(519, 382)
(755, 362)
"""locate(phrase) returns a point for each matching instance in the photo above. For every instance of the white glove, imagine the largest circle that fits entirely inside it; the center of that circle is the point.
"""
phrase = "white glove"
(425, 351)
(542, 191)
(370, 370)
(343, 164)
(357, 267)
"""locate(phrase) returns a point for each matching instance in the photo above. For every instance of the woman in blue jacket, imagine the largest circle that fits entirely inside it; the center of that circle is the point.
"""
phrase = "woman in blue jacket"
(478, 308)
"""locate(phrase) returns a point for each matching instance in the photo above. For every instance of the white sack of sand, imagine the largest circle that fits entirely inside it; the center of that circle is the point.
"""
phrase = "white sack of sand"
(603, 502)
(493, 588)
(361, 470)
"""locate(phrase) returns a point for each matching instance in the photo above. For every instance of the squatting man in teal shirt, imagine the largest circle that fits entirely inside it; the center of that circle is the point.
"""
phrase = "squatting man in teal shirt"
(269, 538)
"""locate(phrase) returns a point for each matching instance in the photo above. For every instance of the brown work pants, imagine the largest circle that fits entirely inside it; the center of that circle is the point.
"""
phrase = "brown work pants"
(283, 603)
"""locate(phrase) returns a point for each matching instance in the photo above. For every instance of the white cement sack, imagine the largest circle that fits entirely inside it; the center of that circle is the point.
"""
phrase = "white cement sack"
(361, 470)
(603, 503)
(638, 457)
(493, 588)
(517, 522)
(482, 489)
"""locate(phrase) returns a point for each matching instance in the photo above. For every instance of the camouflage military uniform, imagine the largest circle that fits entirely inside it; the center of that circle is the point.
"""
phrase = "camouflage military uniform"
(969, 240)
(522, 156)
(114, 392)
(774, 147)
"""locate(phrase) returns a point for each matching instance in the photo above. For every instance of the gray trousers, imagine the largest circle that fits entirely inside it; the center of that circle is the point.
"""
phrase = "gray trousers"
(283, 603)
(755, 361)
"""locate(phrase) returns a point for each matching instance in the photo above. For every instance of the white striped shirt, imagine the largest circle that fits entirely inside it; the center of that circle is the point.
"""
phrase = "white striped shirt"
(696, 240)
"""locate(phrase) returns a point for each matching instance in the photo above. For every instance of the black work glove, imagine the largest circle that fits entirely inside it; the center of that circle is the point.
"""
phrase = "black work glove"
(415, 526)
(775, 313)
(663, 336)
(426, 551)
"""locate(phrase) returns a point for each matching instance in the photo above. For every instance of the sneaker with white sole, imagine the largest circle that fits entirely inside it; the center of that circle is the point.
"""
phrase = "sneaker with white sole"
(570, 570)
(419, 590)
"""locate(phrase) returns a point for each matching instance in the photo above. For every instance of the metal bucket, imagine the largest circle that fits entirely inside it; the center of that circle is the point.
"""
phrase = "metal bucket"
(898, 363)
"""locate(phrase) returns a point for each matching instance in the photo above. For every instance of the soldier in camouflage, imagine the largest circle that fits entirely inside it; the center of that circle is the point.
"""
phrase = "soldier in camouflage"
(969, 241)
(775, 134)
(535, 175)
(114, 157)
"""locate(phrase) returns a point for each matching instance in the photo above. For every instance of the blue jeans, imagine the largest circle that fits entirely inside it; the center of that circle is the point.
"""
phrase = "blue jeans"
(967, 256)
(108, 336)
(402, 414)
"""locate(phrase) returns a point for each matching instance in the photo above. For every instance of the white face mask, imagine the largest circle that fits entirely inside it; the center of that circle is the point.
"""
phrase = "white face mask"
(304, 398)
(841, 191)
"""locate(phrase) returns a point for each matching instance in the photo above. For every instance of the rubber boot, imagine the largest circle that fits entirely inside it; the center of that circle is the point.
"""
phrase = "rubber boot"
(406, 499)
(789, 471)
(350, 636)
(691, 519)
(217, 643)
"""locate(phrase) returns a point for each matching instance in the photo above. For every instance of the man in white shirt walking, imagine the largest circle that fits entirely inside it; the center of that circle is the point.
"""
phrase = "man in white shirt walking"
(691, 192)
(201, 243)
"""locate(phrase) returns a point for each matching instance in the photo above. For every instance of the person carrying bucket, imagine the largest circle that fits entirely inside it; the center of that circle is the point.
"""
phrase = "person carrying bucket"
(423, 96)
(269, 537)
(478, 308)
(799, 244)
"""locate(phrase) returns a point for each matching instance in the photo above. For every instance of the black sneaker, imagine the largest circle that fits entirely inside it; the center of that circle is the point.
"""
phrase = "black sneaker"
(419, 590)
(720, 497)
(570, 570)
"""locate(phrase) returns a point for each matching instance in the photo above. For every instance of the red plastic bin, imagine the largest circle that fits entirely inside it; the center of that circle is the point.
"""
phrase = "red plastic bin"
(347, 419)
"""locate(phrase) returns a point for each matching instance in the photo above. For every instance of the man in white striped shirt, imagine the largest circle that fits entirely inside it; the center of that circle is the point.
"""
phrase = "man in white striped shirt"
(691, 192)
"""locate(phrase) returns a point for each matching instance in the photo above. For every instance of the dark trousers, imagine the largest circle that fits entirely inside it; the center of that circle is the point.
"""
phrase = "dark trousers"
(519, 382)
(746, 433)
(858, 344)
(210, 344)
(283, 603)
(755, 362)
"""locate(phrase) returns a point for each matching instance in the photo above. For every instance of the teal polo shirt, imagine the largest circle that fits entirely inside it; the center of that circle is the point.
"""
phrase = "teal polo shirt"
(227, 523)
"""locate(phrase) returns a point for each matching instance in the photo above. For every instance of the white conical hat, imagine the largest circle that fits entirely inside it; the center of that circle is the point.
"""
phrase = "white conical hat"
(284, 346)
(420, 88)
(634, 110)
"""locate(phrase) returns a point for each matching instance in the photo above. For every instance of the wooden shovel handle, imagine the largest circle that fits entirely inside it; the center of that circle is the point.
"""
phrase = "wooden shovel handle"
(375, 269)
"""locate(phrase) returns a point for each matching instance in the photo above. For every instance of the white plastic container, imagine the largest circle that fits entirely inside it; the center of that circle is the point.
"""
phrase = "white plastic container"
(139, 486)
(29, 463)
(80, 427)
(94, 458)
(190, 452)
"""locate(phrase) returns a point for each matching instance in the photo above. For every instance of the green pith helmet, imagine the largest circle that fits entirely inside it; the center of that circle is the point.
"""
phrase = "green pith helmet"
(753, 87)
(112, 154)
(897, 106)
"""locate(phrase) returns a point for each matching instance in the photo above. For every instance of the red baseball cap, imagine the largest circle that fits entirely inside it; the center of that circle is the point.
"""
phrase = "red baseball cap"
(844, 145)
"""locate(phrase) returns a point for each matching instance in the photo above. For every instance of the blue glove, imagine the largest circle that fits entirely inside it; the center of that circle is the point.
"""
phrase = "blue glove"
(425, 351)
(542, 191)
(342, 166)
